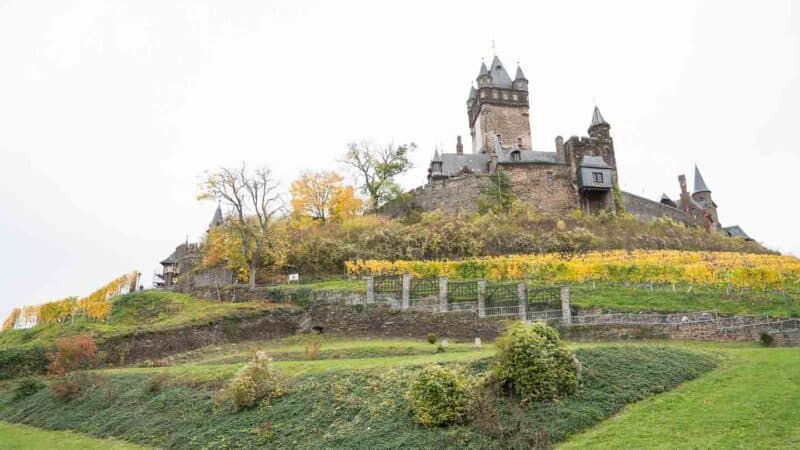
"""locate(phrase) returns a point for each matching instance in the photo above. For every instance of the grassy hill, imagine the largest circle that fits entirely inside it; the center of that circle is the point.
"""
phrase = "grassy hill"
(353, 397)
(24, 351)
(138, 311)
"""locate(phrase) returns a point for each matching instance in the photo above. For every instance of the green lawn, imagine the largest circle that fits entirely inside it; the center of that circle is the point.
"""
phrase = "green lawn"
(664, 299)
(19, 437)
(751, 401)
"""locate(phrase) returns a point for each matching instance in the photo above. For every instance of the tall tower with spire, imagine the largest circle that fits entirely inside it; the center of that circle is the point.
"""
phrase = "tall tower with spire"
(702, 195)
(498, 109)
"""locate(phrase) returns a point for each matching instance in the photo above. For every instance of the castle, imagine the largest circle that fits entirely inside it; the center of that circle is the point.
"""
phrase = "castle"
(580, 173)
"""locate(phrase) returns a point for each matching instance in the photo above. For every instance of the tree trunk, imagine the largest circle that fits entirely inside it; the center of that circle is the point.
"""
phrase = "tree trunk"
(252, 282)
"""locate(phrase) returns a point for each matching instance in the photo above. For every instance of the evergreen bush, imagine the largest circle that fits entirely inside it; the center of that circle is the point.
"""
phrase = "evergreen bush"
(440, 396)
(534, 364)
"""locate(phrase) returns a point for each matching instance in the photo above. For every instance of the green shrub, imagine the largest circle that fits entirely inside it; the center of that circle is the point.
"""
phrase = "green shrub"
(440, 396)
(534, 364)
(766, 339)
(22, 360)
(258, 380)
(432, 338)
(27, 387)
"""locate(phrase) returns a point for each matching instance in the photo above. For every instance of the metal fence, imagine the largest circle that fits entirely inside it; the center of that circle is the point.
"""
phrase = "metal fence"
(504, 294)
(424, 287)
(462, 291)
(389, 284)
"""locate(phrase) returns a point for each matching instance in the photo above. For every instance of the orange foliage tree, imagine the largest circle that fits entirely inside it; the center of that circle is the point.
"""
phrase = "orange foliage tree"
(11, 319)
(322, 196)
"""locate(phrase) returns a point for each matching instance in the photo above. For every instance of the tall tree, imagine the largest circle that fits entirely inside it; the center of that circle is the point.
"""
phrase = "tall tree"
(253, 195)
(322, 196)
(377, 166)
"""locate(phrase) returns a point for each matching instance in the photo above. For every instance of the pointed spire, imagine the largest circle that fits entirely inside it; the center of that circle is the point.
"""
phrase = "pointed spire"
(484, 69)
(699, 182)
(436, 156)
(500, 77)
(519, 75)
(217, 220)
(597, 118)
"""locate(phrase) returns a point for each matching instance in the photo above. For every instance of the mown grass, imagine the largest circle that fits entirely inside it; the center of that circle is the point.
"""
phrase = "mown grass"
(664, 299)
(751, 401)
(348, 403)
(19, 437)
(139, 311)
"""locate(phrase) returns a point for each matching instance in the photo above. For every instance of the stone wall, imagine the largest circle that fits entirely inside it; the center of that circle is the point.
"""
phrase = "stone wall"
(650, 210)
(130, 348)
(451, 195)
(548, 187)
(511, 122)
(380, 319)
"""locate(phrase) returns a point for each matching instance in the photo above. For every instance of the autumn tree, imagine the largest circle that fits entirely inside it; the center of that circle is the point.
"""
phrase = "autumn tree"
(254, 198)
(377, 167)
(322, 196)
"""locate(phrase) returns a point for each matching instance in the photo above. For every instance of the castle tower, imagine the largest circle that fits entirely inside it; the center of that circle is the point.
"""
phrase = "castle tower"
(600, 129)
(702, 195)
(217, 220)
(498, 108)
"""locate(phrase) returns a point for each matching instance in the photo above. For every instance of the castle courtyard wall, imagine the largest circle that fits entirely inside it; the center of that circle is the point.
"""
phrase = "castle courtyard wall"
(548, 187)
(646, 209)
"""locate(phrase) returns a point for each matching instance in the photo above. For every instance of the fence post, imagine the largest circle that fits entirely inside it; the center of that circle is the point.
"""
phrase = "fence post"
(566, 313)
(523, 301)
(442, 294)
(370, 289)
(406, 300)
(481, 299)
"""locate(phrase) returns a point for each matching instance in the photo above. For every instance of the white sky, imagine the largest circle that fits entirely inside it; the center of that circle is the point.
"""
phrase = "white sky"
(110, 111)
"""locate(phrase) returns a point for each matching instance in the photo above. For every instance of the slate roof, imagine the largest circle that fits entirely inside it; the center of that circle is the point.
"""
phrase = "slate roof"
(736, 231)
(171, 259)
(597, 118)
(594, 161)
(452, 163)
(699, 182)
(520, 75)
(217, 219)
(499, 75)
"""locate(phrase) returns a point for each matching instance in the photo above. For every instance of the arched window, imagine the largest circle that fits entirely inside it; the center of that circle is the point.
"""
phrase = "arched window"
(516, 155)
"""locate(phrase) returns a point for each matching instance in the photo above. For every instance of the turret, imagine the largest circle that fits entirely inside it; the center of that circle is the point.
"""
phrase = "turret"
(520, 82)
(702, 195)
(599, 127)
(217, 220)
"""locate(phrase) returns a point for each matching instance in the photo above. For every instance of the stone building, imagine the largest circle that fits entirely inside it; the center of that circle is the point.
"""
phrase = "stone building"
(581, 172)
(185, 257)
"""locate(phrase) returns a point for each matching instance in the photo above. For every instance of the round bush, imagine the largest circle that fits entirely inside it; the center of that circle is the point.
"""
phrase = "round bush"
(440, 396)
(534, 364)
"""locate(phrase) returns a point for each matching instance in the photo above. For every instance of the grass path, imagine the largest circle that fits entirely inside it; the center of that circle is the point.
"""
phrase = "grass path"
(751, 401)
(16, 436)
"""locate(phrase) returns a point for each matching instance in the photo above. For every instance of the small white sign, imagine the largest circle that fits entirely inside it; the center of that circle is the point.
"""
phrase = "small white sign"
(294, 277)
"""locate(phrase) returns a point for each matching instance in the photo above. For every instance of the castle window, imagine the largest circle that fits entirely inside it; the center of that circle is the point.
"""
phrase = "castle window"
(598, 177)
(515, 97)
(516, 155)
(437, 166)
(548, 178)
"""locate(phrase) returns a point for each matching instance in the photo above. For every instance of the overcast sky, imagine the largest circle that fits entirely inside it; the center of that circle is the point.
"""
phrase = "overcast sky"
(110, 111)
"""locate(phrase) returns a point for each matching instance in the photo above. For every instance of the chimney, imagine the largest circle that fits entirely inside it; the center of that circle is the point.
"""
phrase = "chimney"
(684, 193)
(459, 146)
